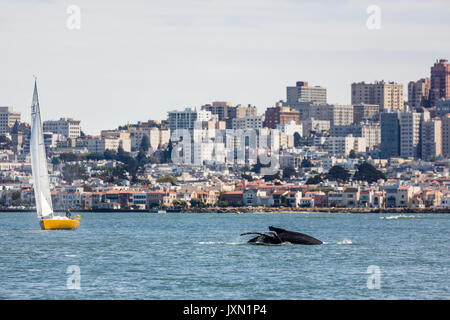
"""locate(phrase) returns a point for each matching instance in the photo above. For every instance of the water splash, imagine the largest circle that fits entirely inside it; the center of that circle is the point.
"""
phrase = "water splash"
(345, 241)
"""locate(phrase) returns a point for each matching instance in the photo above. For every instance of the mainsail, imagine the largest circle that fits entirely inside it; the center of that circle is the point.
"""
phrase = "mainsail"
(42, 194)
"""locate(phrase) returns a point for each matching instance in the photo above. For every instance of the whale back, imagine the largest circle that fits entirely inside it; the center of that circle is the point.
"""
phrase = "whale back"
(294, 237)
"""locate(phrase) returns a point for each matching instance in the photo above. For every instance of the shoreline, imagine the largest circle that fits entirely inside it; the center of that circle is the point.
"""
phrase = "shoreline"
(243, 210)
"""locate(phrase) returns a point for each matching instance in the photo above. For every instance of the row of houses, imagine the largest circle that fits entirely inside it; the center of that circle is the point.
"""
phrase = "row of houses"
(244, 193)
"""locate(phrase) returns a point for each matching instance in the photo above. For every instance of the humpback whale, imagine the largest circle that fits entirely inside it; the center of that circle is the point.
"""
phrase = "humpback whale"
(278, 236)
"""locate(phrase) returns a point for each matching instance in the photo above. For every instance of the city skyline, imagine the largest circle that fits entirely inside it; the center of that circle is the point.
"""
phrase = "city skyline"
(144, 60)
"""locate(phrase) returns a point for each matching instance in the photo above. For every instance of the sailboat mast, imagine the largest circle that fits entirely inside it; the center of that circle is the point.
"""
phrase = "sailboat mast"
(39, 167)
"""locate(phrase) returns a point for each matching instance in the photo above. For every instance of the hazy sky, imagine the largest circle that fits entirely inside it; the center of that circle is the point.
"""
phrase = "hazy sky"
(136, 60)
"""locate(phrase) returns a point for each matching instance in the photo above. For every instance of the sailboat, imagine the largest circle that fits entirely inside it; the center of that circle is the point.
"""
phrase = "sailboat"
(44, 207)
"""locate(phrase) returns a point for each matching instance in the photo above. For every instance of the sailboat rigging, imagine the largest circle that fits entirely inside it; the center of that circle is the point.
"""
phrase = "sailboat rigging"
(44, 207)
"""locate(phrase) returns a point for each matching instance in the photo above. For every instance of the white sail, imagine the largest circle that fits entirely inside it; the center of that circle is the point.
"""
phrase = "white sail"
(42, 194)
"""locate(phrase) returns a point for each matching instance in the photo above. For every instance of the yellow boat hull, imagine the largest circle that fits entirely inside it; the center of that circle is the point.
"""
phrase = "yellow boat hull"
(59, 224)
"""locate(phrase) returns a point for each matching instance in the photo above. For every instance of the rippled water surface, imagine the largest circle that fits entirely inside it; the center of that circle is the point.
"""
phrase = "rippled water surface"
(202, 256)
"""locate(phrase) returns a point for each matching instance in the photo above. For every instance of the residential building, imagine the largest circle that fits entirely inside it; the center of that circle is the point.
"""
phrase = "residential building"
(187, 118)
(446, 135)
(431, 139)
(67, 127)
(280, 115)
(419, 93)
(388, 95)
(410, 133)
(390, 134)
(365, 111)
(343, 145)
(7, 119)
(304, 93)
(248, 122)
(442, 107)
(314, 126)
(440, 81)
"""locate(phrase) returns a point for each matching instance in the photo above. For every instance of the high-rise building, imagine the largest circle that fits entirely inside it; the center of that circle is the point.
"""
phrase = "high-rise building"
(419, 93)
(410, 124)
(390, 134)
(446, 135)
(304, 93)
(431, 139)
(440, 81)
(388, 95)
(7, 119)
(67, 127)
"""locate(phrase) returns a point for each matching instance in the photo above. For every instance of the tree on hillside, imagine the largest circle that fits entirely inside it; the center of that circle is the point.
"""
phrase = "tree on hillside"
(314, 180)
(145, 144)
(367, 172)
(338, 173)
(289, 172)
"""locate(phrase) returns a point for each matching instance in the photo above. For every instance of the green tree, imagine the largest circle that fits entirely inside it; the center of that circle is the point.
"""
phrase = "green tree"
(367, 172)
(314, 180)
(338, 173)
(145, 144)
(289, 172)
(306, 163)
(352, 154)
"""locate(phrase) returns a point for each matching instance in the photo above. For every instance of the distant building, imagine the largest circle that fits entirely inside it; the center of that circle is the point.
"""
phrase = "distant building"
(280, 115)
(388, 95)
(440, 81)
(369, 130)
(314, 126)
(7, 119)
(442, 107)
(390, 134)
(446, 135)
(410, 133)
(431, 139)
(343, 145)
(248, 122)
(364, 111)
(187, 118)
(67, 127)
(419, 93)
(304, 93)
(338, 115)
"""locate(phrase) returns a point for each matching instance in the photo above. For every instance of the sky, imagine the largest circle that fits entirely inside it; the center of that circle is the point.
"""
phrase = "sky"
(136, 60)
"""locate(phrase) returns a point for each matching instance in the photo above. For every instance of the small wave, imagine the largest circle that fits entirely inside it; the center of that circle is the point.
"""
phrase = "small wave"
(398, 217)
(71, 255)
(220, 242)
(345, 241)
